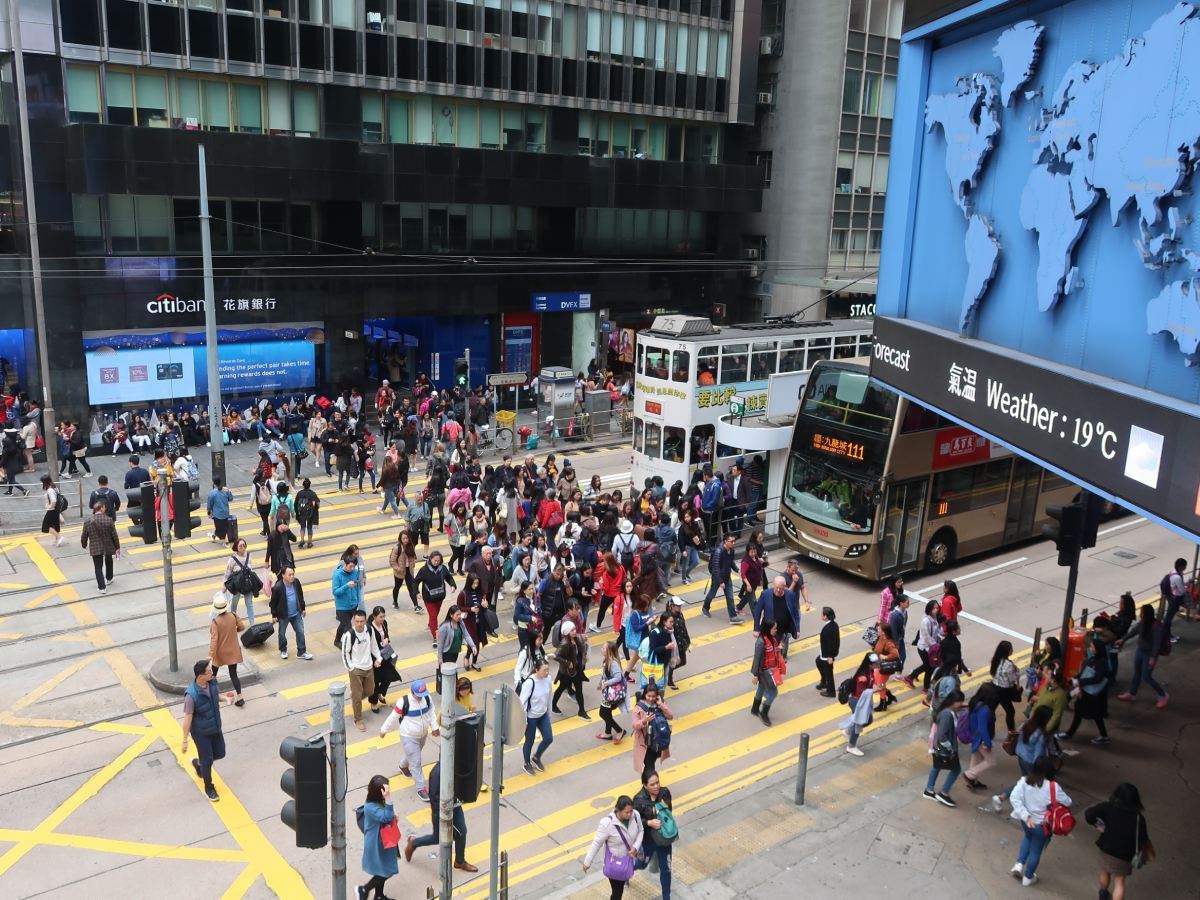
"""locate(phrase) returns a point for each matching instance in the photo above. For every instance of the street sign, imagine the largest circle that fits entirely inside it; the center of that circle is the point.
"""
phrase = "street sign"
(435, 360)
(737, 405)
(507, 379)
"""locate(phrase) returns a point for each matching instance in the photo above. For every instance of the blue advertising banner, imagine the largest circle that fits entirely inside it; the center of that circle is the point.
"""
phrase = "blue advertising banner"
(568, 302)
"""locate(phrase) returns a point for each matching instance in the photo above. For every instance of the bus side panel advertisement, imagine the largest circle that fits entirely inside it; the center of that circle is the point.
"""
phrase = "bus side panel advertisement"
(1092, 430)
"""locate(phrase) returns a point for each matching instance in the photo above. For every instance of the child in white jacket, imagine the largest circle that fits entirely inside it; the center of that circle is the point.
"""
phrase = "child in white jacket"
(1031, 799)
(415, 715)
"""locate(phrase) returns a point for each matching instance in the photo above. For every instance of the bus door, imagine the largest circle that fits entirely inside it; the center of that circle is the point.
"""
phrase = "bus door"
(903, 522)
(1022, 500)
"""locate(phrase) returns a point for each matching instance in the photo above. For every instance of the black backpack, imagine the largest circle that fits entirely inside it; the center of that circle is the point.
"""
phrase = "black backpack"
(845, 691)
(304, 506)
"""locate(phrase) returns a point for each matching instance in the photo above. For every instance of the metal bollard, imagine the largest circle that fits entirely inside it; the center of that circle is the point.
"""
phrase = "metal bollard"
(802, 770)
(1083, 619)
(1037, 641)
(430, 893)
(503, 875)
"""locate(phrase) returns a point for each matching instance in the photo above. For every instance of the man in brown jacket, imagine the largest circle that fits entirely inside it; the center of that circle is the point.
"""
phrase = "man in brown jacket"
(99, 537)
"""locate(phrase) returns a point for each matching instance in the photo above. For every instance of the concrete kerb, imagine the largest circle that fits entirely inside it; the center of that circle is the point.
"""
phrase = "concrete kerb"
(161, 676)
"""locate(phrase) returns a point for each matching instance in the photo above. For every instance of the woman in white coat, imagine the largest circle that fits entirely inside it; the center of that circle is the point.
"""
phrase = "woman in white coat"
(620, 835)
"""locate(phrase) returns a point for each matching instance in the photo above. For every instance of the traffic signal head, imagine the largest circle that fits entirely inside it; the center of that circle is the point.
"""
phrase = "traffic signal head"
(1068, 531)
(306, 782)
(462, 372)
(185, 499)
(1093, 510)
(140, 507)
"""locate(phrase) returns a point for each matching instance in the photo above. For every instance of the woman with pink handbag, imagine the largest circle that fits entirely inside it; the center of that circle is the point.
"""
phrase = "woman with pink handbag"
(620, 834)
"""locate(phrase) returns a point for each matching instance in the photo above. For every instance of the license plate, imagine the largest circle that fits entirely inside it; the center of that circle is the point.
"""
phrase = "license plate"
(819, 558)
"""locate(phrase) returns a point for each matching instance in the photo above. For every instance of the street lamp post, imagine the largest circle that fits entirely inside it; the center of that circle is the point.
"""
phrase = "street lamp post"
(216, 427)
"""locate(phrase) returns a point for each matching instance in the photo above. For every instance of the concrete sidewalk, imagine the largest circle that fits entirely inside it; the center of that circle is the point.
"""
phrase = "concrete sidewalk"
(866, 830)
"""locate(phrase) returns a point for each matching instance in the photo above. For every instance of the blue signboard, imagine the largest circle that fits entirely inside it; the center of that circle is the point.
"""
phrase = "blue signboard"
(569, 302)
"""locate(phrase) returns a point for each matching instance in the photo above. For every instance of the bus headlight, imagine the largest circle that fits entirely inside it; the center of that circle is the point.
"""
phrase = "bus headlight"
(789, 527)
(857, 550)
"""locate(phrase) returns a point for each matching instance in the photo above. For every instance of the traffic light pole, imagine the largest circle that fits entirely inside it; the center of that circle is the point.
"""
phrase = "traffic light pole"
(1069, 608)
(499, 719)
(164, 505)
(337, 788)
(216, 421)
(449, 674)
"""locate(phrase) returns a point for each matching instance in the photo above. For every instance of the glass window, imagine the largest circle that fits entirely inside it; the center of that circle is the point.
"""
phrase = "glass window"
(514, 131)
(660, 45)
(825, 496)
(887, 97)
(502, 227)
(850, 398)
(370, 225)
(974, 487)
(216, 105)
(704, 439)
(845, 346)
(639, 38)
(249, 107)
(616, 35)
(445, 125)
(244, 214)
(89, 234)
(154, 224)
(398, 114)
(879, 179)
(851, 89)
(83, 94)
(304, 108)
(637, 434)
(681, 48)
(791, 355)
(121, 223)
(118, 90)
(412, 227)
(535, 130)
(706, 366)
(372, 117)
(862, 173)
(658, 141)
(653, 441)
(878, 21)
(481, 226)
(858, 15)
(489, 128)
(524, 228)
(734, 363)
(152, 100)
(658, 362)
(674, 443)
(468, 125)
(279, 107)
(637, 365)
(870, 96)
(682, 361)
(570, 42)
(342, 13)
(701, 51)
(593, 31)
(188, 91)
(620, 137)
(723, 54)
(762, 362)
(818, 349)
(423, 124)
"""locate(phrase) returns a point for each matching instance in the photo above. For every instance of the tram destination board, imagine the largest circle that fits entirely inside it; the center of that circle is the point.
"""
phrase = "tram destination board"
(507, 379)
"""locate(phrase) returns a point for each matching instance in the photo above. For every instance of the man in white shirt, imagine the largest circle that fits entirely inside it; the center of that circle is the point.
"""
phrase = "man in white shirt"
(1177, 593)
(415, 716)
(361, 656)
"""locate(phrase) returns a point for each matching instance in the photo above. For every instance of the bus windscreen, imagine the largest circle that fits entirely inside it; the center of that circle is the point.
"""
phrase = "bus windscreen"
(850, 399)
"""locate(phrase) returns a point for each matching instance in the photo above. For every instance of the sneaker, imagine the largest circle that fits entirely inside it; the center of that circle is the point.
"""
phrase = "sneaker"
(1018, 870)
(1127, 697)
(1161, 702)
(946, 800)
(593, 629)
(929, 795)
(707, 614)
(1098, 740)
(907, 679)
(424, 795)
(306, 656)
(736, 620)
(1030, 881)
(196, 766)
(103, 590)
(283, 654)
(528, 769)
(1061, 736)
(211, 793)
(537, 762)
(854, 751)
(59, 542)
(997, 803)
(360, 725)
(362, 891)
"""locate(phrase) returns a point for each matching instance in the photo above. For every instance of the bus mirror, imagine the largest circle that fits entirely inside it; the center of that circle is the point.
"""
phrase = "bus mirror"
(852, 387)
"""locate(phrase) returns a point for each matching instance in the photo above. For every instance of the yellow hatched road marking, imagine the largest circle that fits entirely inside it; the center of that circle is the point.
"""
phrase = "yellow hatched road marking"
(41, 598)
(242, 883)
(126, 848)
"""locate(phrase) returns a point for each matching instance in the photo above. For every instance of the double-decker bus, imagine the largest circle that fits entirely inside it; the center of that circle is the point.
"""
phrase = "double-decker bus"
(686, 371)
(877, 484)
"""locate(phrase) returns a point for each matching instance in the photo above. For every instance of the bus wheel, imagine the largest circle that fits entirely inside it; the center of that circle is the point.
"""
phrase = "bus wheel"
(940, 552)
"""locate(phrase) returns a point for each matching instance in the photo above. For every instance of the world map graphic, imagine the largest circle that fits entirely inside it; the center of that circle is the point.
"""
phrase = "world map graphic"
(1143, 170)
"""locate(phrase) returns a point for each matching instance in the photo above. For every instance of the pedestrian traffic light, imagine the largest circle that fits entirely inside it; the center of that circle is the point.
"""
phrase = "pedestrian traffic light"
(469, 743)
(1093, 510)
(462, 372)
(137, 503)
(186, 499)
(306, 782)
(1067, 533)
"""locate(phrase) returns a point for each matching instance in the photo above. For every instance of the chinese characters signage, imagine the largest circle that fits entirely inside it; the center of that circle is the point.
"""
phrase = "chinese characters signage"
(653, 407)
(243, 304)
(836, 446)
(958, 446)
(720, 396)
(664, 390)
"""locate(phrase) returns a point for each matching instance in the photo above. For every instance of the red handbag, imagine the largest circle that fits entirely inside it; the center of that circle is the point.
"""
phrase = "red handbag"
(1059, 819)
(389, 834)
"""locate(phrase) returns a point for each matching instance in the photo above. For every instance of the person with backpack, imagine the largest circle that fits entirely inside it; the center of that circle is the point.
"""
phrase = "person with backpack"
(859, 697)
(434, 580)
(241, 581)
(653, 804)
(1174, 590)
(766, 669)
(1034, 800)
(552, 598)
(1033, 742)
(56, 504)
(720, 567)
(435, 488)
(625, 545)
(651, 729)
(283, 500)
(308, 512)
(944, 743)
(1153, 639)
(415, 718)
(106, 495)
(620, 837)
(535, 695)
(929, 636)
(1089, 692)
(263, 496)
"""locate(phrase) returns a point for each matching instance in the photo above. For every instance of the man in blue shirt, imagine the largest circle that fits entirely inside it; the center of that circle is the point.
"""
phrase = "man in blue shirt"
(137, 475)
(219, 499)
(710, 504)
(287, 608)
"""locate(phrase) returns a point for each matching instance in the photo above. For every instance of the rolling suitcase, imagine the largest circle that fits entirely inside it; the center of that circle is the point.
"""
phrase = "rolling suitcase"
(257, 634)
(231, 530)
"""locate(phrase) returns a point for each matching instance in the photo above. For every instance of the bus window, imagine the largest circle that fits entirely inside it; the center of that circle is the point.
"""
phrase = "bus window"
(762, 363)
(818, 349)
(850, 398)
(1052, 481)
(845, 347)
(824, 496)
(920, 418)
(974, 487)
(673, 443)
(637, 434)
(734, 365)
(706, 366)
(791, 355)
(653, 441)
(682, 363)
(703, 439)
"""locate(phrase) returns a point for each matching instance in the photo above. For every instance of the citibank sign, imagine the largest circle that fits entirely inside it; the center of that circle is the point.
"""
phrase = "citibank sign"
(165, 304)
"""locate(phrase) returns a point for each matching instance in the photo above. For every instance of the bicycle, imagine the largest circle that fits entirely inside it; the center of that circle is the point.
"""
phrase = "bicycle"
(503, 439)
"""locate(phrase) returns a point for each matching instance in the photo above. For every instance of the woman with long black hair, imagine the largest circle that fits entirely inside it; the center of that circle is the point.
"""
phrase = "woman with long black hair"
(1007, 679)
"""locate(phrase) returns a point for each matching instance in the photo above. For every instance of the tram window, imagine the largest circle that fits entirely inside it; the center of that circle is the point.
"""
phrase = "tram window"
(734, 364)
(703, 439)
(845, 347)
(658, 361)
(641, 352)
(653, 441)
(673, 443)
(683, 362)
(864, 345)
(791, 355)
(818, 349)
(724, 451)
(762, 363)
(637, 434)
(706, 366)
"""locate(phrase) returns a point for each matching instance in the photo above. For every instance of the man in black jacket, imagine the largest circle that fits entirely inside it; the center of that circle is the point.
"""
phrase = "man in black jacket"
(720, 567)
(831, 645)
(287, 607)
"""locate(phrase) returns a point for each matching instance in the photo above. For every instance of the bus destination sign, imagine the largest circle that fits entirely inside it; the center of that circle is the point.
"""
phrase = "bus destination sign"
(836, 446)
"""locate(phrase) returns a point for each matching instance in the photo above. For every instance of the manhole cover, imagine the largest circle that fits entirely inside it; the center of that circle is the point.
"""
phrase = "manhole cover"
(1125, 554)
(1123, 557)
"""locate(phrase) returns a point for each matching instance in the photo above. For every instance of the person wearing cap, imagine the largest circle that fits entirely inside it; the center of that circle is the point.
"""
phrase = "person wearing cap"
(625, 545)
(862, 702)
(224, 648)
(414, 715)
(572, 656)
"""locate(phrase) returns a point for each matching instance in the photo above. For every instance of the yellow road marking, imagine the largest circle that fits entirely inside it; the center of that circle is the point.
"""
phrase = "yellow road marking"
(85, 792)
(44, 561)
(10, 636)
(131, 678)
(9, 716)
(121, 728)
(78, 638)
(42, 598)
(279, 875)
(13, 586)
(126, 848)
(242, 883)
